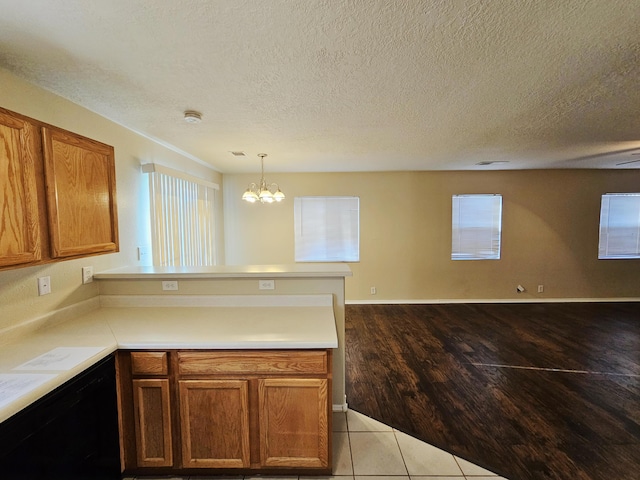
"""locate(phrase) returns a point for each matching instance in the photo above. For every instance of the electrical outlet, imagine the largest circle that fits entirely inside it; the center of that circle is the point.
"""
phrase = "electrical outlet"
(44, 285)
(170, 285)
(373, 290)
(540, 288)
(87, 275)
(266, 284)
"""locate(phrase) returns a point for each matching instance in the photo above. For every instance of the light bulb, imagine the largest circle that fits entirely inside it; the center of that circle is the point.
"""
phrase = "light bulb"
(278, 196)
(249, 196)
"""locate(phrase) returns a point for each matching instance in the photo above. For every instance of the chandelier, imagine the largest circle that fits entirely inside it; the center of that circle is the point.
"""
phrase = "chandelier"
(265, 192)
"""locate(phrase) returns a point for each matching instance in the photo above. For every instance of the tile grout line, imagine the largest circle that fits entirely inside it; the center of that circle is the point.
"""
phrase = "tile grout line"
(401, 454)
(464, 475)
(346, 421)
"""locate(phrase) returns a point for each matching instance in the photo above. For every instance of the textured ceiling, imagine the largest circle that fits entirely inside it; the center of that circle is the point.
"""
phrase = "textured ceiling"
(359, 85)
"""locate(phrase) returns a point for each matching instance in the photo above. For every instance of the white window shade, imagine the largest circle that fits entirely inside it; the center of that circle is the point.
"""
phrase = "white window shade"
(182, 221)
(476, 227)
(619, 226)
(327, 229)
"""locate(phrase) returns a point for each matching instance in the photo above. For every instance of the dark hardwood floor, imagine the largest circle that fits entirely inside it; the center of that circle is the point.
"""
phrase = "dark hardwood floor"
(529, 391)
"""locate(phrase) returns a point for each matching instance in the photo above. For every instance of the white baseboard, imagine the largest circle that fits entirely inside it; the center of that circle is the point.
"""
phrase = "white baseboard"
(340, 408)
(436, 301)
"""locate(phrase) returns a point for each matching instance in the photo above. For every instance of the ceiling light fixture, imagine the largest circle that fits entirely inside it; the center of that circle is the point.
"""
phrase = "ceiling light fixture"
(191, 116)
(265, 192)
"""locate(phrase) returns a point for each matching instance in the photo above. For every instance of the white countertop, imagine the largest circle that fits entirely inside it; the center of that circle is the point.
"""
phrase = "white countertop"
(298, 270)
(213, 324)
(221, 327)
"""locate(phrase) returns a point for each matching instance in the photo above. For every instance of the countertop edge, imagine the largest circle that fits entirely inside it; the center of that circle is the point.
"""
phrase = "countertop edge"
(324, 270)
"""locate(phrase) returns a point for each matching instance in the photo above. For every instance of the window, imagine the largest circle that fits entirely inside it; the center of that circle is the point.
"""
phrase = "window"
(619, 226)
(327, 229)
(182, 218)
(476, 227)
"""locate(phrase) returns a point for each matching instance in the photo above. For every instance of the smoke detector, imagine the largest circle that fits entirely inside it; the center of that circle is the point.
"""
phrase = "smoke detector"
(191, 116)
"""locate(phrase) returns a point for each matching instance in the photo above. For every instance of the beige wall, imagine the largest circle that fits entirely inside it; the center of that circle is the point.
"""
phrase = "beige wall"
(550, 233)
(19, 300)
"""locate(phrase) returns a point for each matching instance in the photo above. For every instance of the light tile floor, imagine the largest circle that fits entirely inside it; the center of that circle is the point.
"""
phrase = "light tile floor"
(365, 449)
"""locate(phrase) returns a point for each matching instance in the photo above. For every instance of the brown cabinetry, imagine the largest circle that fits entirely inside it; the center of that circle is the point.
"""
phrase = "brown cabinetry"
(232, 411)
(214, 421)
(294, 422)
(19, 226)
(81, 194)
(152, 410)
(57, 194)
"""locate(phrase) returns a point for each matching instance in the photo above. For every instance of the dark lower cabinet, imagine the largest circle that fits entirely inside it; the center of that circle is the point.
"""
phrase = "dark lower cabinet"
(70, 434)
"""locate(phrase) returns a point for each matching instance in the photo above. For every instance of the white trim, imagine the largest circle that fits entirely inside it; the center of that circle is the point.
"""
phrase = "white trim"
(490, 300)
(340, 408)
(154, 167)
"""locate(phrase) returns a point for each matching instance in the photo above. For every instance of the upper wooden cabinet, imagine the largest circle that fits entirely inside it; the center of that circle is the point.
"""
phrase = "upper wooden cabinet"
(81, 194)
(19, 226)
(57, 194)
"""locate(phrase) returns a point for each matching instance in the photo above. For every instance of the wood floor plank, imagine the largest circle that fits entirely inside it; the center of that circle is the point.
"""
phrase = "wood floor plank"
(530, 391)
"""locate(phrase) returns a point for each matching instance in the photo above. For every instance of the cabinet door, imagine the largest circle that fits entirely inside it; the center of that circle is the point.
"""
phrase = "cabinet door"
(294, 428)
(152, 410)
(214, 418)
(81, 195)
(19, 227)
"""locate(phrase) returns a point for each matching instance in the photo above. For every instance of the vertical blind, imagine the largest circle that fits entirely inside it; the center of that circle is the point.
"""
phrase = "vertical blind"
(182, 221)
(476, 227)
(619, 226)
(327, 229)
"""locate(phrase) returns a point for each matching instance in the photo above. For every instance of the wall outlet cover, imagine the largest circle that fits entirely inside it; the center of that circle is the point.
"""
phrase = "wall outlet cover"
(87, 275)
(44, 285)
(266, 284)
(170, 285)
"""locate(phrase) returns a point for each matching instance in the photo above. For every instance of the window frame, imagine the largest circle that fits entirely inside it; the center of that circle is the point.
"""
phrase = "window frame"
(465, 252)
(605, 233)
(345, 247)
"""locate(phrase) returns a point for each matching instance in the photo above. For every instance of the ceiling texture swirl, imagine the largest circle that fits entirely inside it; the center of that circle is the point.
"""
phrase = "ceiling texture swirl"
(348, 85)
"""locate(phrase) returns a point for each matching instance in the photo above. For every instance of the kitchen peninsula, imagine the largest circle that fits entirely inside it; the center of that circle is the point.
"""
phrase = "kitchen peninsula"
(127, 286)
(262, 325)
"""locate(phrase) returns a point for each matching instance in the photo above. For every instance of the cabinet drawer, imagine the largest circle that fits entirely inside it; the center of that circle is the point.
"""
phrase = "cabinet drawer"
(253, 362)
(149, 363)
